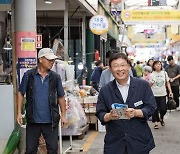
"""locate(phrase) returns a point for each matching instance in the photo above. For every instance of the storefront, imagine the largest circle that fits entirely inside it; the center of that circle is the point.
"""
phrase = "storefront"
(6, 85)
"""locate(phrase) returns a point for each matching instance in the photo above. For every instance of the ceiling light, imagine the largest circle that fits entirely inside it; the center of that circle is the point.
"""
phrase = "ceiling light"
(7, 45)
(70, 60)
(48, 1)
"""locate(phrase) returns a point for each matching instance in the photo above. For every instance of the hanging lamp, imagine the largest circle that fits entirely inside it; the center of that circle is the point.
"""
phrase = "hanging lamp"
(48, 1)
(7, 45)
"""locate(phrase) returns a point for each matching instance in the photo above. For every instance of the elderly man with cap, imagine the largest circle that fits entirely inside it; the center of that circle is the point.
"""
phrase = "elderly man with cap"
(44, 95)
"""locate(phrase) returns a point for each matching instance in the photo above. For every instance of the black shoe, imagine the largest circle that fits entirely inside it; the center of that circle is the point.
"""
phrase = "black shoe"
(162, 123)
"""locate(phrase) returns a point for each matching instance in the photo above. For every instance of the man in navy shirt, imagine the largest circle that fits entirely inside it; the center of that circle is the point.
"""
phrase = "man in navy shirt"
(44, 94)
(96, 74)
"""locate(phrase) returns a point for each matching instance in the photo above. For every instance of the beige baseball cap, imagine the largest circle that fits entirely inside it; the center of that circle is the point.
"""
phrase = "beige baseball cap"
(48, 53)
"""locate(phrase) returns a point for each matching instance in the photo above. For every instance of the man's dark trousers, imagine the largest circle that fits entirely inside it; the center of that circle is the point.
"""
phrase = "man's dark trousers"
(33, 132)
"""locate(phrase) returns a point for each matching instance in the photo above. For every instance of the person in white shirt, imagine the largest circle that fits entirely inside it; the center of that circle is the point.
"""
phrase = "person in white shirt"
(158, 81)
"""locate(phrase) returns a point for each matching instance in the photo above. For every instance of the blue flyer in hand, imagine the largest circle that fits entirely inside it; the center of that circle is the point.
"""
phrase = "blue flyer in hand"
(119, 109)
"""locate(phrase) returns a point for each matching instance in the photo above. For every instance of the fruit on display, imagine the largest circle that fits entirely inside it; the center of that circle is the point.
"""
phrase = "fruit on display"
(82, 93)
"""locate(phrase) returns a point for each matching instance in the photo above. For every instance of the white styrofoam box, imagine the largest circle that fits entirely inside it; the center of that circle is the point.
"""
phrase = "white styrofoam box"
(90, 110)
(6, 111)
(80, 100)
(91, 99)
(101, 128)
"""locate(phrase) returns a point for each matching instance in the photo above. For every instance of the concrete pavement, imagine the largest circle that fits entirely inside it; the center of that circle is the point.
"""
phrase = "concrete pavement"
(167, 138)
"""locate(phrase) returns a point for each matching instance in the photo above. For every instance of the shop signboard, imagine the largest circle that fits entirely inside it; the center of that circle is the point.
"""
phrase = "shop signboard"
(148, 38)
(113, 29)
(115, 10)
(25, 52)
(157, 2)
(25, 64)
(27, 44)
(162, 2)
(156, 17)
(5, 1)
(99, 24)
(38, 41)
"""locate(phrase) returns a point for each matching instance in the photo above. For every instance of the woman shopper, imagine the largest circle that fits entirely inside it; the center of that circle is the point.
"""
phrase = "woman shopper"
(150, 62)
(147, 72)
(158, 82)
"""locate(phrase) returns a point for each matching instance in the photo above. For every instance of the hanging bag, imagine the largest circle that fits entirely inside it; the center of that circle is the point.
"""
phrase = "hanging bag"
(171, 104)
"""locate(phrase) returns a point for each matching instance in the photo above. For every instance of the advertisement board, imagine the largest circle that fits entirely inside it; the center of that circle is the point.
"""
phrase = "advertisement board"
(5, 1)
(25, 52)
(157, 17)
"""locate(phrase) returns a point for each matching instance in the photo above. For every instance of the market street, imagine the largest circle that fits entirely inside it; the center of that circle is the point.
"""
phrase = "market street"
(167, 138)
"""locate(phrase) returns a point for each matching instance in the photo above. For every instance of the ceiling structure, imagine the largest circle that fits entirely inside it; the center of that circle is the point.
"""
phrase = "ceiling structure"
(147, 33)
(150, 40)
(48, 14)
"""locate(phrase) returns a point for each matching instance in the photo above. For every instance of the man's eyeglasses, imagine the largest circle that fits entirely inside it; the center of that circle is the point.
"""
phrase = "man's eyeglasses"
(119, 65)
(50, 60)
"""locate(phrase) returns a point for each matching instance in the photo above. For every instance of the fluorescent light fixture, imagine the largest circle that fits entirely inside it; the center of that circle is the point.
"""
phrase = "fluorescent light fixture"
(80, 66)
(48, 1)
(7, 45)
(70, 60)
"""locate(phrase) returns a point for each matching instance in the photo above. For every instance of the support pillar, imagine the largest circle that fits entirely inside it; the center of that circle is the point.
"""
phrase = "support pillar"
(25, 36)
(66, 30)
(89, 53)
(25, 15)
(84, 39)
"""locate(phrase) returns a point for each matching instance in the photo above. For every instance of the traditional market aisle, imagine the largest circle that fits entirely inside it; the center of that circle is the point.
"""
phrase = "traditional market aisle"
(167, 138)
